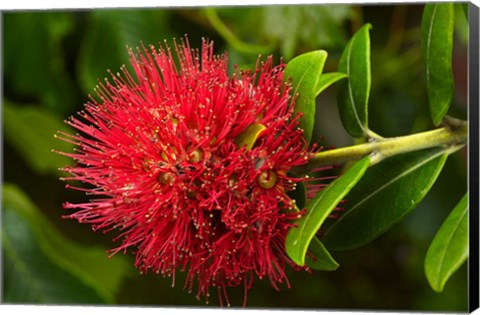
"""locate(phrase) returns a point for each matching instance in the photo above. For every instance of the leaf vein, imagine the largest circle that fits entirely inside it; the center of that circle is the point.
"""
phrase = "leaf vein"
(350, 90)
(393, 180)
(449, 240)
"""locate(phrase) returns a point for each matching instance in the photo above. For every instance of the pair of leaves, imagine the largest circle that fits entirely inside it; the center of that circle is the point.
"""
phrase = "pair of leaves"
(305, 71)
(32, 244)
(387, 193)
(449, 249)
(437, 46)
(384, 196)
(392, 182)
(318, 209)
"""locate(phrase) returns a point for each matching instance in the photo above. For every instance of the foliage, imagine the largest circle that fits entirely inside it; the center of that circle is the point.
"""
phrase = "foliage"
(391, 76)
(449, 248)
(47, 267)
(319, 208)
(437, 45)
(387, 193)
(353, 94)
(392, 189)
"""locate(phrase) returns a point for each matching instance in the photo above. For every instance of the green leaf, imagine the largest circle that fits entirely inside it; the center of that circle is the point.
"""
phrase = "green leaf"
(327, 79)
(30, 276)
(384, 196)
(249, 136)
(449, 249)
(89, 264)
(305, 71)
(298, 239)
(321, 260)
(437, 45)
(353, 94)
(30, 131)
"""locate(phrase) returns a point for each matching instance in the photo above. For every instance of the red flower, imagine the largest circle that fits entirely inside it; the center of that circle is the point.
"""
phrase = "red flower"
(162, 151)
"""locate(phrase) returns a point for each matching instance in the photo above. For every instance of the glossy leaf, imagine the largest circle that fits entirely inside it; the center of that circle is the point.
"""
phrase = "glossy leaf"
(298, 239)
(30, 276)
(437, 45)
(249, 136)
(449, 249)
(328, 79)
(353, 93)
(305, 71)
(384, 196)
(30, 131)
(90, 264)
(321, 260)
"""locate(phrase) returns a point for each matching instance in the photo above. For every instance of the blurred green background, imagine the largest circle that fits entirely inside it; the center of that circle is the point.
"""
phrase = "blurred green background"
(51, 62)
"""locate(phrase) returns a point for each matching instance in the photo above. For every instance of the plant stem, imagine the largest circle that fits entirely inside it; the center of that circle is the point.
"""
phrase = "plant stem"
(454, 132)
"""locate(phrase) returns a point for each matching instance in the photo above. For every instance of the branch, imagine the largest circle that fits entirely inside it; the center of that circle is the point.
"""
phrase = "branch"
(454, 133)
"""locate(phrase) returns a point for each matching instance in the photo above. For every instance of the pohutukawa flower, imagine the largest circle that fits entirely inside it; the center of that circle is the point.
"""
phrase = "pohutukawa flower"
(192, 165)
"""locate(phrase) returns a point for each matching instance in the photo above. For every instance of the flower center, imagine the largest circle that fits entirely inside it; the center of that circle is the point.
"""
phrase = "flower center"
(195, 156)
(267, 179)
(166, 178)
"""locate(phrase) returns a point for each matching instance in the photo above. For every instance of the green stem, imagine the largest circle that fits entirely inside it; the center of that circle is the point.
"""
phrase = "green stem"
(453, 133)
